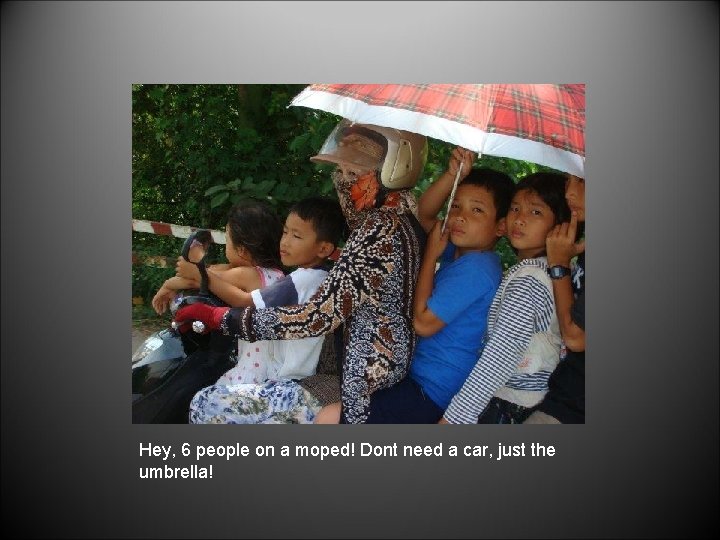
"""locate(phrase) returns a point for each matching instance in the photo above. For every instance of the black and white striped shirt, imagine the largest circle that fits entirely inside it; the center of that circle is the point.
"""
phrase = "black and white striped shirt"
(522, 306)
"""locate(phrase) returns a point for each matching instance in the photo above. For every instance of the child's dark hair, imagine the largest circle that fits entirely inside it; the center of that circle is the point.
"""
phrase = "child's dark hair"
(326, 217)
(498, 184)
(550, 187)
(255, 226)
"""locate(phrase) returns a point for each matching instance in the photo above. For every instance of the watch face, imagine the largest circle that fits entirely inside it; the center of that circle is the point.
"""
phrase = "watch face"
(557, 272)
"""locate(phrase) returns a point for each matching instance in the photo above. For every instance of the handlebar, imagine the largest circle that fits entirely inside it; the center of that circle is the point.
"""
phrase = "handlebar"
(204, 237)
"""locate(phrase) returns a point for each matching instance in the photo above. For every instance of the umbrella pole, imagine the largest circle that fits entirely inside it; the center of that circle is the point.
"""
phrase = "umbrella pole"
(452, 196)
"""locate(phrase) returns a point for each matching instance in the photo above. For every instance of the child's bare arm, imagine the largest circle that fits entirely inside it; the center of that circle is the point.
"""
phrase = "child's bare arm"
(561, 247)
(166, 293)
(222, 267)
(189, 270)
(573, 336)
(432, 201)
(177, 283)
(233, 286)
(246, 278)
(426, 323)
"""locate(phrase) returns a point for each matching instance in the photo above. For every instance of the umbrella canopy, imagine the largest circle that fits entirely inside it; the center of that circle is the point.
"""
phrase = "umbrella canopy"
(541, 123)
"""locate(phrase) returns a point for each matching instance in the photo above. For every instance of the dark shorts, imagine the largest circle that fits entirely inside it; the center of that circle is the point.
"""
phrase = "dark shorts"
(404, 403)
(500, 411)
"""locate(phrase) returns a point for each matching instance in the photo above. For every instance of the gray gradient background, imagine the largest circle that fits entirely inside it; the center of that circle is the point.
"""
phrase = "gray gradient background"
(645, 464)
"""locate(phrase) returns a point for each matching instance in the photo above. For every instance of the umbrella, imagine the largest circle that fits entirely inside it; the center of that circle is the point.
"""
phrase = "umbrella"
(541, 123)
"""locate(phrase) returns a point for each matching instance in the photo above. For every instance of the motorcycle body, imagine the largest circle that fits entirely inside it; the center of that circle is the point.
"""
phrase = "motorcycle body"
(170, 366)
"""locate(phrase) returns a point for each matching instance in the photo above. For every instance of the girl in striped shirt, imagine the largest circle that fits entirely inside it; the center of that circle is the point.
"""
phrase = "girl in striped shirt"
(522, 343)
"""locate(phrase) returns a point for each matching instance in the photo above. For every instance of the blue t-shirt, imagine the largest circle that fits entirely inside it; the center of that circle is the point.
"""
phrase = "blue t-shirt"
(463, 290)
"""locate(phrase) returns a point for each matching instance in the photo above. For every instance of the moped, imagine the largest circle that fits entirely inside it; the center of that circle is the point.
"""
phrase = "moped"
(171, 366)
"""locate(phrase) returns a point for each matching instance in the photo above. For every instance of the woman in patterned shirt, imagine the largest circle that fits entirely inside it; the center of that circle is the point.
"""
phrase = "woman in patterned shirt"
(370, 288)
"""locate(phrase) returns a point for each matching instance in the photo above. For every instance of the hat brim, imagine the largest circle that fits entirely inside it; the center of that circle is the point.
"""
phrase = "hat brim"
(356, 161)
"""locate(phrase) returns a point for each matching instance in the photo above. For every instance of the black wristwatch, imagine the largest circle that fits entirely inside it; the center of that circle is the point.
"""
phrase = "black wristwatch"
(558, 272)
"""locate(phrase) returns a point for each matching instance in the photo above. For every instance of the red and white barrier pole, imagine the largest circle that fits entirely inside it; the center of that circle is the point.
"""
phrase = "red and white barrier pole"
(169, 229)
(182, 231)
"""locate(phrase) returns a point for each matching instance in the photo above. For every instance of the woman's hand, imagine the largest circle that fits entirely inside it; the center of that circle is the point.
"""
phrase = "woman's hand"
(210, 316)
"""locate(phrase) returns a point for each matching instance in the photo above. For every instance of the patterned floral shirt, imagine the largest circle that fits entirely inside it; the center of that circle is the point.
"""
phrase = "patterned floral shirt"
(371, 287)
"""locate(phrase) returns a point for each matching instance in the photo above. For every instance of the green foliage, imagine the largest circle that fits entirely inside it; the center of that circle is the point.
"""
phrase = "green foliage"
(146, 280)
(199, 149)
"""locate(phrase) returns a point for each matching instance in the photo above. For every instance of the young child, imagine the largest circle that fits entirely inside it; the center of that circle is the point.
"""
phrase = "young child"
(565, 401)
(252, 234)
(450, 306)
(313, 229)
(523, 338)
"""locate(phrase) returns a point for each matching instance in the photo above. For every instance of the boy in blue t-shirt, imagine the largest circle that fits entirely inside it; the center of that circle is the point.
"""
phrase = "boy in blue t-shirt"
(451, 305)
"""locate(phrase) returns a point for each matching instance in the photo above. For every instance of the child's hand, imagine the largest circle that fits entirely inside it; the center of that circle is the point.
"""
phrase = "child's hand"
(187, 270)
(161, 300)
(436, 241)
(560, 243)
(460, 155)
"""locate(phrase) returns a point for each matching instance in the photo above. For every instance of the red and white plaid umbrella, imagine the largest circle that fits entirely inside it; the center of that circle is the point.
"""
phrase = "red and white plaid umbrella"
(540, 123)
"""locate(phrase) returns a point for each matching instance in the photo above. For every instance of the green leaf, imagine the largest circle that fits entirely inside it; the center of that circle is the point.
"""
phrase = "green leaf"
(299, 142)
(217, 200)
(265, 186)
(215, 189)
(280, 190)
